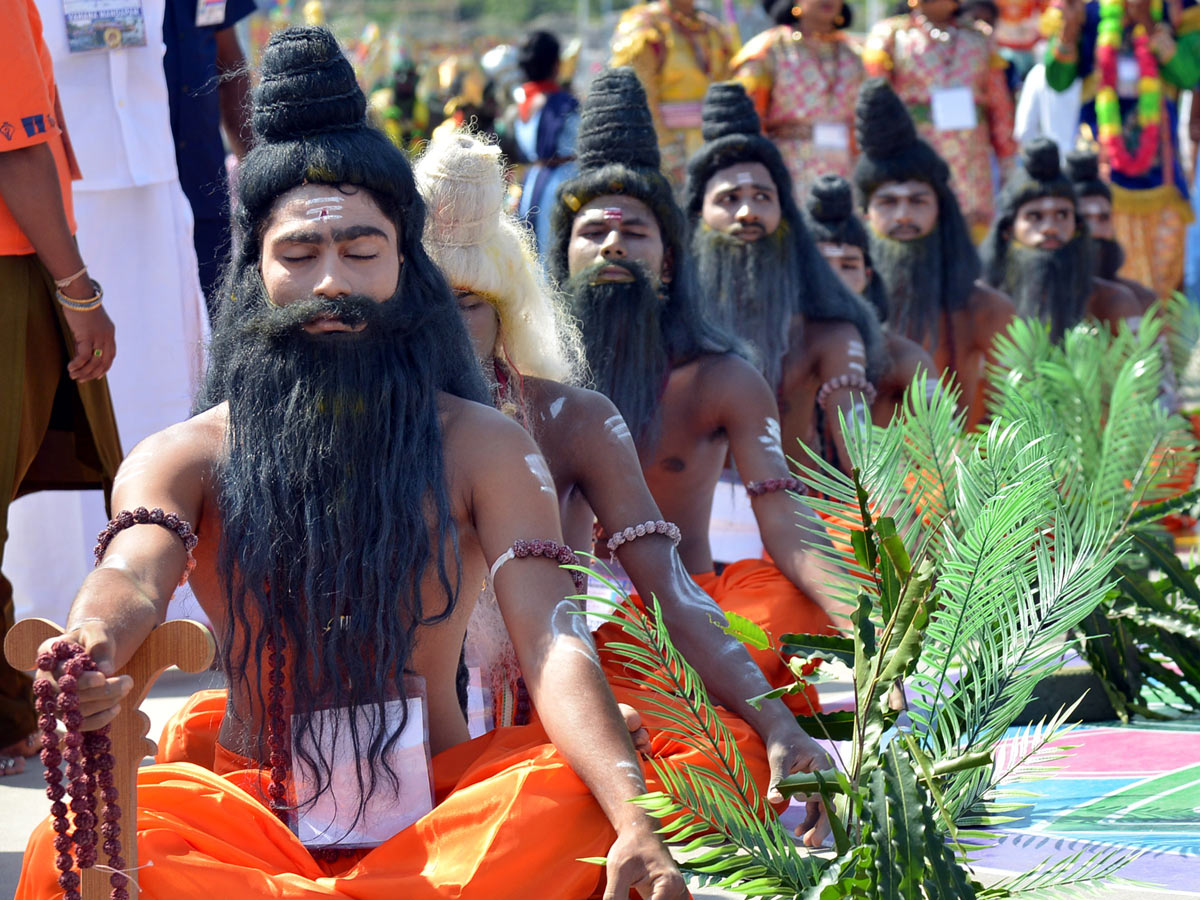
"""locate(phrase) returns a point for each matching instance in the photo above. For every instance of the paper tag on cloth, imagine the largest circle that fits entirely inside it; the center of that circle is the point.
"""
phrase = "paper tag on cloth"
(479, 704)
(104, 24)
(953, 109)
(831, 135)
(1128, 73)
(210, 12)
(334, 817)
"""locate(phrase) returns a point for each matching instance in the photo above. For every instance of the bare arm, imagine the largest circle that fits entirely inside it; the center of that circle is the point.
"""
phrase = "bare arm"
(749, 415)
(30, 189)
(126, 597)
(513, 498)
(233, 91)
(840, 353)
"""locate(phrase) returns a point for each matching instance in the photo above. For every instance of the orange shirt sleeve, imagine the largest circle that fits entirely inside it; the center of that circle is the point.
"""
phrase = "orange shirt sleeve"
(26, 79)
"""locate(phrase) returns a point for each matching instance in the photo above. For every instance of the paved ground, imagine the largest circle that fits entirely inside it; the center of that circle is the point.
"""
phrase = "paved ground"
(23, 802)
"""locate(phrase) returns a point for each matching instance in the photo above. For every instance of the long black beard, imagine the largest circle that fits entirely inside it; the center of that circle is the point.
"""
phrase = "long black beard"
(1107, 258)
(751, 288)
(912, 274)
(624, 342)
(1050, 285)
(333, 506)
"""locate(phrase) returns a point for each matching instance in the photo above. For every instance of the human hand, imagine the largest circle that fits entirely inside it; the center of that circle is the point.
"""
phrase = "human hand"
(99, 693)
(639, 861)
(91, 331)
(790, 750)
(637, 732)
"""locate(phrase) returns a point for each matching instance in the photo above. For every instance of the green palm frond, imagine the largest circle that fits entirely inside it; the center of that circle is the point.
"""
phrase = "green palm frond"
(1071, 877)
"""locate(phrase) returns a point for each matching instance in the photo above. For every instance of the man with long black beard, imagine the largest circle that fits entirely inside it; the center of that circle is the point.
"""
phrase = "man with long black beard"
(343, 487)
(508, 309)
(764, 280)
(1040, 253)
(842, 240)
(687, 396)
(922, 248)
(1096, 209)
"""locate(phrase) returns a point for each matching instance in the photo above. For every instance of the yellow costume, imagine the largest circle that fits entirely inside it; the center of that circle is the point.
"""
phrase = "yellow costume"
(676, 56)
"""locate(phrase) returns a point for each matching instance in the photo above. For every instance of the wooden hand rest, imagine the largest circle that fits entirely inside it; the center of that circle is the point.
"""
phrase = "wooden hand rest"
(186, 644)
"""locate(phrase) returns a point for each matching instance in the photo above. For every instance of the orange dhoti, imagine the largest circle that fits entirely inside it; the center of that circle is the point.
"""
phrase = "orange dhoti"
(511, 820)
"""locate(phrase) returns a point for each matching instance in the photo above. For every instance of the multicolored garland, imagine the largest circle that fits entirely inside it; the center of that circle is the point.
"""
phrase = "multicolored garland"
(1108, 105)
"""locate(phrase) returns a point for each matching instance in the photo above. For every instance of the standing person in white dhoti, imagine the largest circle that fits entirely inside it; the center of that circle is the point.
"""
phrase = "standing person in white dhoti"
(135, 231)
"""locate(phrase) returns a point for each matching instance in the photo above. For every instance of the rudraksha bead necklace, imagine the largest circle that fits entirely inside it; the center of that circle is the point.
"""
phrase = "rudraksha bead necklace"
(89, 772)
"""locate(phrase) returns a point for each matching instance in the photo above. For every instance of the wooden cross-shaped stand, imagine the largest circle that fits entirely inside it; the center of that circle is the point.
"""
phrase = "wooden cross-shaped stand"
(186, 644)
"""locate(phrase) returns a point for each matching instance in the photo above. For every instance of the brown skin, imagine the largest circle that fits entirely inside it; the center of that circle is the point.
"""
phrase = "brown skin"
(496, 497)
(1048, 223)
(907, 210)
(233, 91)
(1096, 210)
(818, 16)
(30, 189)
(742, 201)
(712, 407)
(905, 359)
(597, 477)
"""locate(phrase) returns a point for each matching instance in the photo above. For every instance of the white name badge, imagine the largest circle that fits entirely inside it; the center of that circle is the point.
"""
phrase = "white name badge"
(1128, 73)
(953, 109)
(831, 136)
(104, 24)
(210, 12)
(334, 818)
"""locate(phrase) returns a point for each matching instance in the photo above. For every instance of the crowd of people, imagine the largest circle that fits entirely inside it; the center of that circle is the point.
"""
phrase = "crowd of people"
(375, 387)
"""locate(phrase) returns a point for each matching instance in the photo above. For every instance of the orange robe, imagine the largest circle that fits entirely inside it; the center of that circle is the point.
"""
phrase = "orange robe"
(756, 589)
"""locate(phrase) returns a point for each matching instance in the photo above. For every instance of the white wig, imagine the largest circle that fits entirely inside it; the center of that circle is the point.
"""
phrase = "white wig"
(482, 249)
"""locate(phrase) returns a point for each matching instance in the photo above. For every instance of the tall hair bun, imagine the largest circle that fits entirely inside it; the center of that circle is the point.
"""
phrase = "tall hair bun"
(460, 178)
(830, 199)
(307, 87)
(1083, 165)
(882, 124)
(615, 125)
(1040, 159)
(728, 110)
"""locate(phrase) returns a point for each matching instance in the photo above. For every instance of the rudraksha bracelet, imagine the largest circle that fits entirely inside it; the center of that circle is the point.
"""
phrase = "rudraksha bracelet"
(771, 485)
(142, 516)
(846, 382)
(633, 532)
(547, 548)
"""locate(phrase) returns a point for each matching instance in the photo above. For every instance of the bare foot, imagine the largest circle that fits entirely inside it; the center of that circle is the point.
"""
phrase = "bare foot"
(11, 765)
(637, 733)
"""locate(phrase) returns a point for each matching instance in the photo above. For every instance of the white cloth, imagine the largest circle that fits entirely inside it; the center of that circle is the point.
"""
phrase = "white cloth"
(115, 104)
(1045, 112)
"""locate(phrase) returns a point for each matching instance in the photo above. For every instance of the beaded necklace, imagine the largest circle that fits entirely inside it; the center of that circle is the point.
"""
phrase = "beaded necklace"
(1110, 33)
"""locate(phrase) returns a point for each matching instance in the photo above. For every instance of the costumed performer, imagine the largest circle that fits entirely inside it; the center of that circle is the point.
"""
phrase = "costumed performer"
(516, 330)
(688, 397)
(842, 240)
(952, 82)
(803, 76)
(343, 382)
(1039, 252)
(1134, 57)
(818, 344)
(922, 248)
(677, 52)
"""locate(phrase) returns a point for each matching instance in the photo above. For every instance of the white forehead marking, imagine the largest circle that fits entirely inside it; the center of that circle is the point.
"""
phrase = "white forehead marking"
(556, 407)
(856, 350)
(537, 466)
(323, 200)
(615, 426)
(772, 438)
(833, 251)
(905, 193)
(745, 178)
(1093, 206)
(324, 212)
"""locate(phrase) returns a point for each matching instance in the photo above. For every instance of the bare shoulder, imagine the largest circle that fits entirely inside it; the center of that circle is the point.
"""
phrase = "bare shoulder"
(552, 403)
(472, 431)
(991, 310)
(195, 444)
(831, 335)
(907, 357)
(726, 383)
(1112, 301)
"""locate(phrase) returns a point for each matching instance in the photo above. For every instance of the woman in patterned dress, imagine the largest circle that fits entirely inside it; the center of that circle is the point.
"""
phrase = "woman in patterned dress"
(803, 76)
(952, 82)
